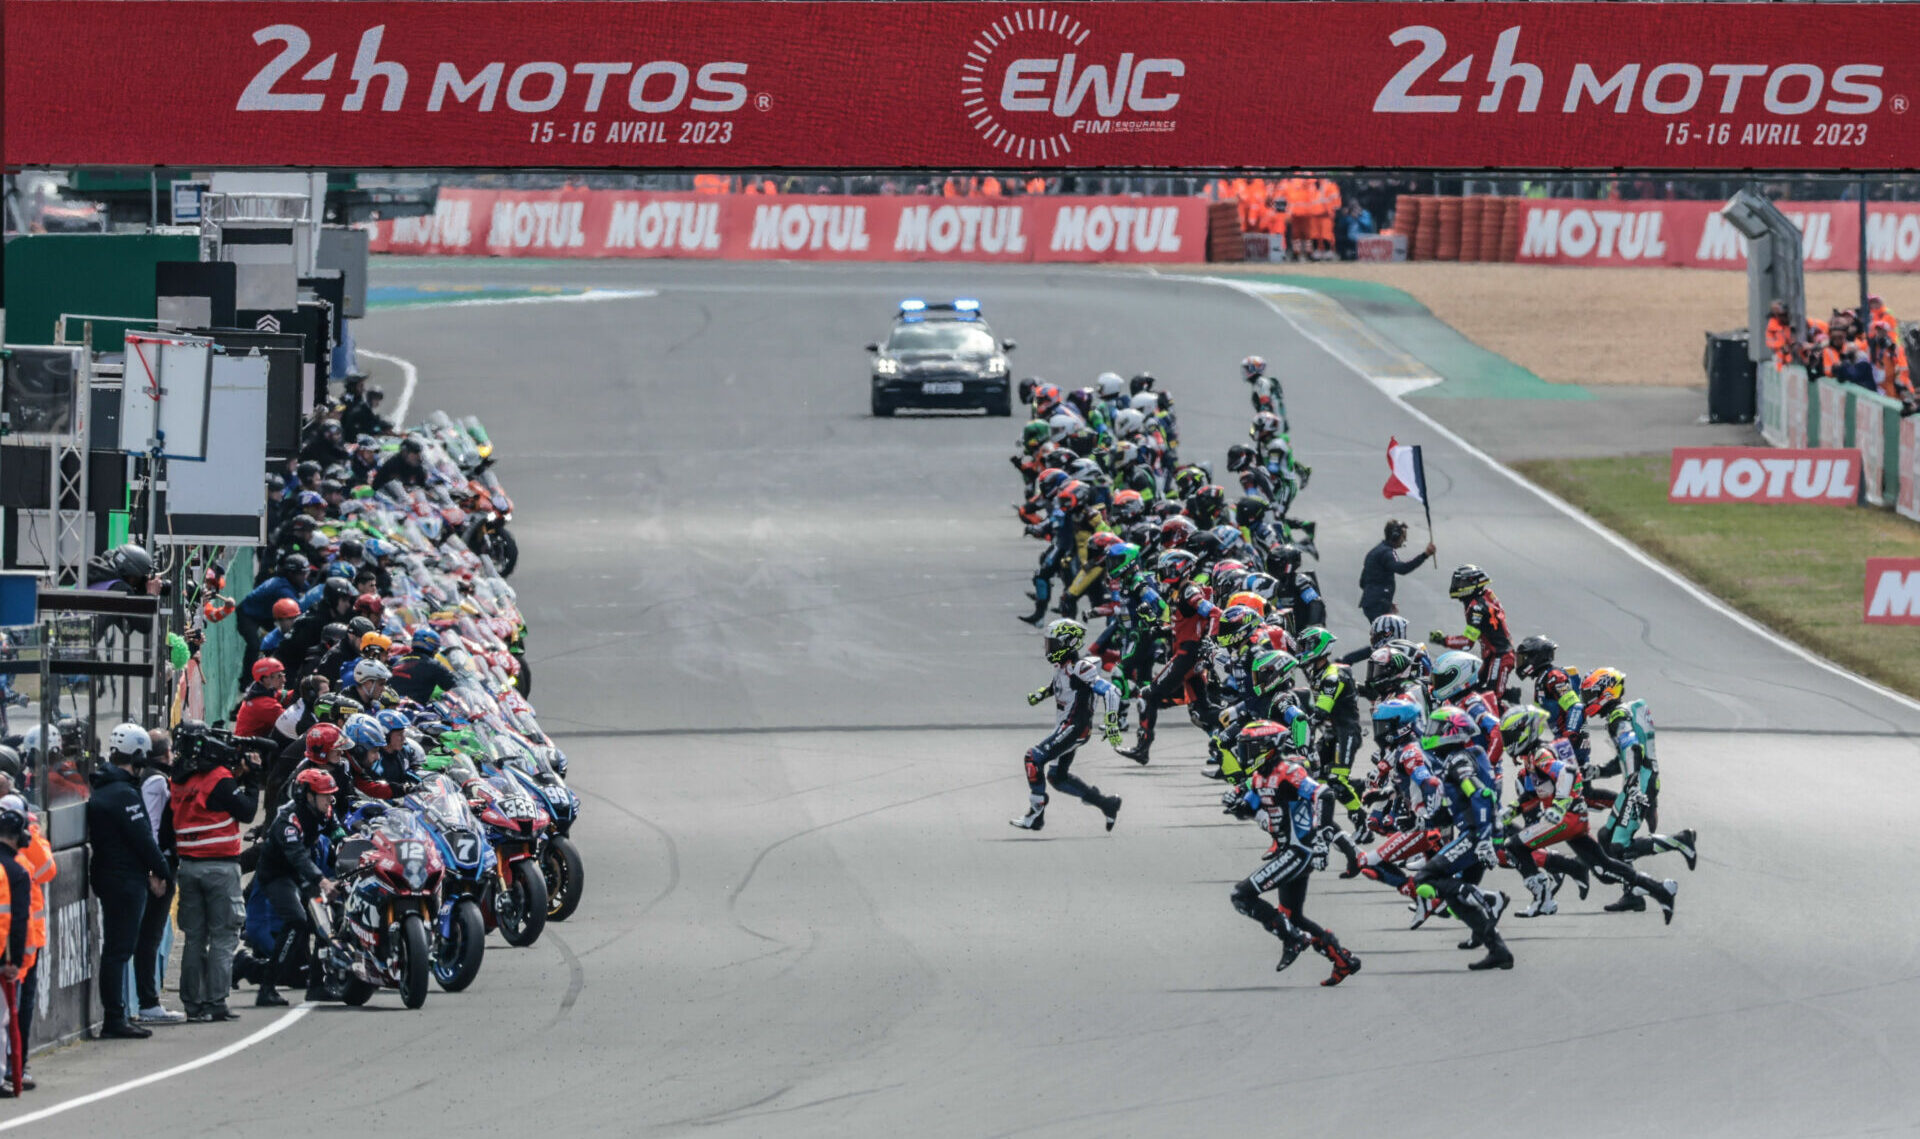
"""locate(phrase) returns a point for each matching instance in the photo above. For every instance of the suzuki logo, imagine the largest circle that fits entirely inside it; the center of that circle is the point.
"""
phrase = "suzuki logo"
(1016, 68)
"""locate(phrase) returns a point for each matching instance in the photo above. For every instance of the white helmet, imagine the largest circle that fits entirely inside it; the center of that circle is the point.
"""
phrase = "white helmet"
(129, 740)
(1127, 422)
(1146, 403)
(1110, 385)
(1062, 425)
(371, 670)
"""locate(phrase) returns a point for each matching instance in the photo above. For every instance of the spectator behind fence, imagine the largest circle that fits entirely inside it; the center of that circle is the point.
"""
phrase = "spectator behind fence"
(150, 952)
(125, 868)
(16, 892)
(209, 805)
(1780, 334)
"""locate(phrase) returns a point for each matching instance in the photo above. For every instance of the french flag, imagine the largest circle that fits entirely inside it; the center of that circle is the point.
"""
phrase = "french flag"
(1406, 474)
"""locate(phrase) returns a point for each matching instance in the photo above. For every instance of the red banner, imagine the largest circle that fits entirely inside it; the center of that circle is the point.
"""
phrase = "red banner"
(1693, 234)
(1814, 476)
(1892, 594)
(460, 83)
(807, 227)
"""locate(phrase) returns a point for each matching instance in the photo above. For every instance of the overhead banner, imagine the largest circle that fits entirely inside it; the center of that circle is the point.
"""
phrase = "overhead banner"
(803, 227)
(476, 83)
(1694, 235)
(1811, 475)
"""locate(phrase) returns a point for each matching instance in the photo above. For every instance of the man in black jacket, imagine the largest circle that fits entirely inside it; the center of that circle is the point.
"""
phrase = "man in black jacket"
(290, 873)
(1382, 566)
(335, 605)
(124, 868)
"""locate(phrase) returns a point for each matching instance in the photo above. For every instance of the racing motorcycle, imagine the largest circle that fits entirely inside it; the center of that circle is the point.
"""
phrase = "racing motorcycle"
(460, 929)
(389, 871)
(560, 861)
(488, 513)
(517, 829)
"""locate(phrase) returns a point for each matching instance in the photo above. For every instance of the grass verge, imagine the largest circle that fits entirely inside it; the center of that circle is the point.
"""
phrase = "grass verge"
(1799, 570)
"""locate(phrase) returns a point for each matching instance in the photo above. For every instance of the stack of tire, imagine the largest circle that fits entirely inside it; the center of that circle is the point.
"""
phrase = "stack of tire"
(1458, 229)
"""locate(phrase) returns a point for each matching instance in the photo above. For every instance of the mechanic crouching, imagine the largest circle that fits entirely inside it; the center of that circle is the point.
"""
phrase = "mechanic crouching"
(290, 873)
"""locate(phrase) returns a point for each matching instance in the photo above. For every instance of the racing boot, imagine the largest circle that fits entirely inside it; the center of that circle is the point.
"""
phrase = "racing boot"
(1036, 816)
(1345, 964)
(1039, 611)
(1670, 888)
(1425, 905)
(1631, 902)
(1352, 852)
(268, 996)
(1686, 844)
(1540, 885)
(1069, 605)
(1110, 807)
(1292, 943)
(1563, 868)
(1305, 541)
(1138, 752)
(1495, 902)
(1497, 955)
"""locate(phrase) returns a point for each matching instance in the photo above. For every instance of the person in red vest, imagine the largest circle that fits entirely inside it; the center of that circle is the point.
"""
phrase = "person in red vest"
(210, 806)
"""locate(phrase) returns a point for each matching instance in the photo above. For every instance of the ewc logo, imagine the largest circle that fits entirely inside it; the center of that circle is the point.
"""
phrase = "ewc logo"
(1026, 82)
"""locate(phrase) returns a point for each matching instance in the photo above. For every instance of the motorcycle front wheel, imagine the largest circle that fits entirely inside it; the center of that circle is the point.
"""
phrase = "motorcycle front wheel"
(458, 961)
(566, 875)
(505, 552)
(414, 961)
(522, 909)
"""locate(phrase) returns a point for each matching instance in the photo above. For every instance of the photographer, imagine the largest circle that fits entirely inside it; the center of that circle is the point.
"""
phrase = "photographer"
(210, 803)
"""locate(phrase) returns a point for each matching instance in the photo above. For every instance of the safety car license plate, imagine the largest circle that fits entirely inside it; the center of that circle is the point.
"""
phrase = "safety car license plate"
(942, 387)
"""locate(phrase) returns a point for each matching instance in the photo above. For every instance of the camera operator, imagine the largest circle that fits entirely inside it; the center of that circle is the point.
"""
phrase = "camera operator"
(210, 804)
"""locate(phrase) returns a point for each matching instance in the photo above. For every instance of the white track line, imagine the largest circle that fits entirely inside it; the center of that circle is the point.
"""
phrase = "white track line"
(407, 370)
(1253, 289)
(542, 299)
(286, 1020)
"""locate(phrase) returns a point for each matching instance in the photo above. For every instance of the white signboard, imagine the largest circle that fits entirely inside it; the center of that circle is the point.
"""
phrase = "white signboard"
(163, 399)
(186, 202)
(220, 498)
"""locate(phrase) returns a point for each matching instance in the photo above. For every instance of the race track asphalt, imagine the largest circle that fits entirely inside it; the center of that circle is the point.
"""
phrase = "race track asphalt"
(777, 639)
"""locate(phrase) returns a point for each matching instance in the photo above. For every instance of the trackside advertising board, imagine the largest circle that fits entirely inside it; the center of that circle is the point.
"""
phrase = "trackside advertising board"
(1892, 595)
(1694, 235)
(1816, 476)
(459, 83)
(812, 227)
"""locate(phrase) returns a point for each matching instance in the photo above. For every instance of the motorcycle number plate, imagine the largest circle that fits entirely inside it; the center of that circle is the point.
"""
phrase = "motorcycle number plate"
(942, 387)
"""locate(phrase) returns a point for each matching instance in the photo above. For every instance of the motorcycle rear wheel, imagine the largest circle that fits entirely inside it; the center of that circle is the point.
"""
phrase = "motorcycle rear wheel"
(415, 961)
(566, 875)
(523, 915)
(458, 961)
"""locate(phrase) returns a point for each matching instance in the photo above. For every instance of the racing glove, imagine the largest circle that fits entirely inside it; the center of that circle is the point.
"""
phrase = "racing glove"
(1038, 695)
(1483, 850)
(1111, 729)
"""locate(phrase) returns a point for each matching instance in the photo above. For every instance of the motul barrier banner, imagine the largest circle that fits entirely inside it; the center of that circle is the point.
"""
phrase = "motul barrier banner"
(1693, 234)
(812, 227)
(1892, 594)
(461, 83)
(1817, 476)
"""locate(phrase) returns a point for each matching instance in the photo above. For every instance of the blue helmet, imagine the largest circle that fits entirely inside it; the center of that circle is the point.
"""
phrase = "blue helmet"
(366, 732)
(426, 640)
(1396, 721)
(392, 721)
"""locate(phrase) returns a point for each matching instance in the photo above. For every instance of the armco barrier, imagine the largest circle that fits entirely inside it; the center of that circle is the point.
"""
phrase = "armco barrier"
(1908, 460)
(65, 996)
(613, 223)
(1876, 432)
(1773, 401)
(1827, 413)
(1835, 422)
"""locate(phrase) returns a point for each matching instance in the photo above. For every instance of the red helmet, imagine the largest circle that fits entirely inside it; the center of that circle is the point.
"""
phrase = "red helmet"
(1175, 531)
(368, 605)
(1102, 542)
(316, 780)
(267, 666)
(1046, 397)
(285, 607)
(323, 740)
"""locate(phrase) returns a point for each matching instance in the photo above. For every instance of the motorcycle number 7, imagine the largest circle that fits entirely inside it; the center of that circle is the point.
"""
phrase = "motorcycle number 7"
(466, 849)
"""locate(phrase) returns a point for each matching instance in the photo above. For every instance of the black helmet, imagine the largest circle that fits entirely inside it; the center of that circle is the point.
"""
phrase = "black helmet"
(1283, 561)
(336, 589)
(1239, 457)
(359, 627)
(413, 446)
(375, 391)
(1141, 382)
(351, 547)
(333, 632)
(294, 563)
(1025, 390)
(330, 428)
(127, 561)
(1250, 510)
(1467, 581)
(308, 469)
(332, 486)
(1534, 656)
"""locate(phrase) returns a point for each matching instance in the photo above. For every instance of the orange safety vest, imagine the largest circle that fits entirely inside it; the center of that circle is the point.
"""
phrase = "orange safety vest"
(200, 831)
(1036, 185)
(37, 856)
(6, 917)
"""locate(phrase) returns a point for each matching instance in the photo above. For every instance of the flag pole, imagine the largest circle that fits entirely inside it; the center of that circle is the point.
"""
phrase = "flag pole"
(1420, 474)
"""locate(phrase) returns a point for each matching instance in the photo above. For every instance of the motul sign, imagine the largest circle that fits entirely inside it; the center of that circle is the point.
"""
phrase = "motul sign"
(465, 83)
(1825, 477)
(1892, 595)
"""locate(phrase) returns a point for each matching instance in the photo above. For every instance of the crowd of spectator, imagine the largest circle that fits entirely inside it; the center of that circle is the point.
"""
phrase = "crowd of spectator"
(1868, 352)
